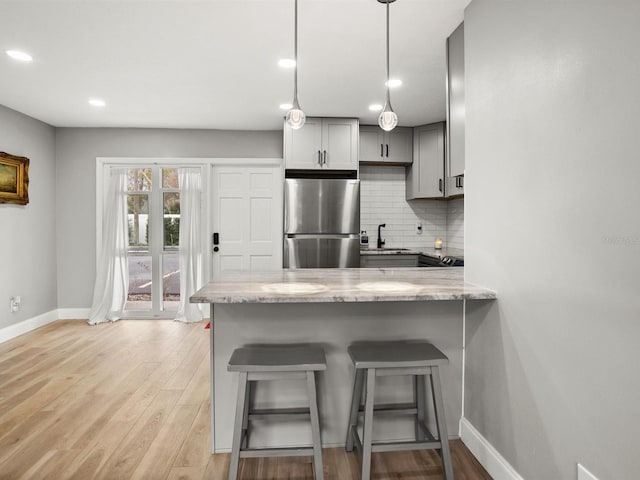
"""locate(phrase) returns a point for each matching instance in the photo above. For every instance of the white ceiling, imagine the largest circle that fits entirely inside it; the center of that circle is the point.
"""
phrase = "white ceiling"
(212, 64)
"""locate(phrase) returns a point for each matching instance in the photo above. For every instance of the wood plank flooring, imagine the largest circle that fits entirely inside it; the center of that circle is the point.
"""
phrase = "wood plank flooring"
(130, 400)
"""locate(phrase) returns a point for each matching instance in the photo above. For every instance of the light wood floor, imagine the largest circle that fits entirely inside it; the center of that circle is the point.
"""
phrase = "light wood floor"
(130, 400)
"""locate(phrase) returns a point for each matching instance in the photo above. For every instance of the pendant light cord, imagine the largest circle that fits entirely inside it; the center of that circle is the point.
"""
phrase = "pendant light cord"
(388, 97)
(295, 54)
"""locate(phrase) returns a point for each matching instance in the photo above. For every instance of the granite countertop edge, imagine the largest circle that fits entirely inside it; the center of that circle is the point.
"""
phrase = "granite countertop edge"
(342, 286)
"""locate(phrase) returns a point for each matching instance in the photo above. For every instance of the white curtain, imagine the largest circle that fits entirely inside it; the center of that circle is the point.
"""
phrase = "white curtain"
(112, 276)
(190, 181)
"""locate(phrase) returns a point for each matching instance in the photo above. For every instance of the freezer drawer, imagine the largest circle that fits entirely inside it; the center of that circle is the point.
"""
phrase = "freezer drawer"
(327, 206)
(325, 251)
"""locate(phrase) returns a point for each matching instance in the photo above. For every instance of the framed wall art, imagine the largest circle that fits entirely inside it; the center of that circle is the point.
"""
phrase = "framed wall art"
(14, 179)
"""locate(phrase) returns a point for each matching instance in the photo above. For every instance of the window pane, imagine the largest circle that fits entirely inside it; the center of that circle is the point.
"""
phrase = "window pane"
(138, 209)
(171, 207)
(170, 178)
(139, 180)
(170, 281)
(139, 293)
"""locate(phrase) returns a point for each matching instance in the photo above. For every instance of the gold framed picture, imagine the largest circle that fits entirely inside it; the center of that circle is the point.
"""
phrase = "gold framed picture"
(14, 179)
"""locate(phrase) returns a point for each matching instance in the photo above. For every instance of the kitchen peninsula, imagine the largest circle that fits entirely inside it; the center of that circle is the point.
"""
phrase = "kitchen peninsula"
(332, 308)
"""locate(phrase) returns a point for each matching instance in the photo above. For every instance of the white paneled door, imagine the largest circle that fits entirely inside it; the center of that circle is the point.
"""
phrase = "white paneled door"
(247, 218)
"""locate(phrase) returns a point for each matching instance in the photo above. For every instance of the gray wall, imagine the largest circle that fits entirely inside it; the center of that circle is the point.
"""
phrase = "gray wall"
(27, 233)
(552, 224)
(76, 153)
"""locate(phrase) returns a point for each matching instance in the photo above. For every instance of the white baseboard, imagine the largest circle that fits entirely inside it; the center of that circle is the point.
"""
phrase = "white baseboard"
(73, 313)
(20, 328)
(487, 455)
(26, 326)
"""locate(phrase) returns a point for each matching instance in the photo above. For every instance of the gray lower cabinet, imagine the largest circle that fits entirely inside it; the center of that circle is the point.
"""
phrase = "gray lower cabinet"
(388, 261)
(380, 147)
(425, 177)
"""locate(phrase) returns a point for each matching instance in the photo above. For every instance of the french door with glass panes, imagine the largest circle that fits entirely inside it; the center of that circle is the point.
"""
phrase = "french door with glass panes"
(154, 224)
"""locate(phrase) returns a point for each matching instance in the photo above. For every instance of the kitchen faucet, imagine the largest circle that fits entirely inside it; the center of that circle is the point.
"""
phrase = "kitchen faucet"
(380, 241)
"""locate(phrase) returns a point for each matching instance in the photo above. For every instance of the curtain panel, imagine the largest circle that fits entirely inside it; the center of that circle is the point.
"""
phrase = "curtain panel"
(190, 250)
(112, 275)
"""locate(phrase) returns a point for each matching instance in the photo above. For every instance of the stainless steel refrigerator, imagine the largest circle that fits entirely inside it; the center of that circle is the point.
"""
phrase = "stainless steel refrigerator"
(321, 223)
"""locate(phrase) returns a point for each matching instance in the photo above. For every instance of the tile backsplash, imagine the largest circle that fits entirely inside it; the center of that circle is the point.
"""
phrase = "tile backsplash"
(455, 223)
(382, 200)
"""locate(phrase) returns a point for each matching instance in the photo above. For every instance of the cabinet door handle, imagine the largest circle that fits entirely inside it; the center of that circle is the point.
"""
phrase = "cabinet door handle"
(381, 150)
(324, 154)
(319, 158)
(387, 150)
(440, 184)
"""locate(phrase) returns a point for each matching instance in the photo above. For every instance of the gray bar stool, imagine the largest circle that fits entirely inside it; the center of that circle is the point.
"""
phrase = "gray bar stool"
(273, 363)
(379, 359)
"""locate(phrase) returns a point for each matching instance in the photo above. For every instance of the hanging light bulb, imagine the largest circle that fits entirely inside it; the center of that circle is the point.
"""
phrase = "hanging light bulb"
(295, 116)
(388, 120)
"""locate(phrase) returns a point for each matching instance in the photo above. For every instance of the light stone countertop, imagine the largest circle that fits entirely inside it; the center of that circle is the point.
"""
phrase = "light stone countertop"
(342, 285)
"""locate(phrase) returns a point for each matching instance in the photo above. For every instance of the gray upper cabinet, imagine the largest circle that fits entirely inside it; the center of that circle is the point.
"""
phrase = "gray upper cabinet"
(322, 143)
(455, 103)
(425, 177)
(380, 147)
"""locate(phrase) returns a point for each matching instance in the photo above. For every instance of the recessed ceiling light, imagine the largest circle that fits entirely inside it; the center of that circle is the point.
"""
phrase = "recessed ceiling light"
(285, 106)
(97, 102)
(394, 82)
(20, 56)
(376, 107)
(286, 63)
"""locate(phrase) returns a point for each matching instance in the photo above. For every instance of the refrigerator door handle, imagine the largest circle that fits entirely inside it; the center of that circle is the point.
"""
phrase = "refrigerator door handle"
(327, 236)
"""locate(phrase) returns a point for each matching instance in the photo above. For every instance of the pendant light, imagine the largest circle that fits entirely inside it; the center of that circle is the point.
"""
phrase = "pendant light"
(295, 116)
(388, 120)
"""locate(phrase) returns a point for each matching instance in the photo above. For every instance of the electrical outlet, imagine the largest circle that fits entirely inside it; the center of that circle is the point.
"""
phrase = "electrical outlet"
(584, 474)
(419, 229)
(14, 304)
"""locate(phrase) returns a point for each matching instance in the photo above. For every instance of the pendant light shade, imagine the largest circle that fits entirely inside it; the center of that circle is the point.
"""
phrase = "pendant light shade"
(295, 116)
(388, 120)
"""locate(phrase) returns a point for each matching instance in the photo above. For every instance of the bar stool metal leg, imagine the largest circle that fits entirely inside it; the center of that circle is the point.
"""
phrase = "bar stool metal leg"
(368, 424)
(237, 428)
(421, 406)
(315, 426)
(442, 425)
(356, 398)
(245, 417)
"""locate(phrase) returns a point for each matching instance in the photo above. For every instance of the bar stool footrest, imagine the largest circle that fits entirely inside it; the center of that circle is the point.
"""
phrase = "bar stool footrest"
(402, 446)
(397, 446)
(388, 409)
(281, 413)
(277, 452)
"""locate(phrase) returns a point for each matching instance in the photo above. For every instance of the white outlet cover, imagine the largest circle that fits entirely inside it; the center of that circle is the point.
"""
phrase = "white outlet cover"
(584, 474)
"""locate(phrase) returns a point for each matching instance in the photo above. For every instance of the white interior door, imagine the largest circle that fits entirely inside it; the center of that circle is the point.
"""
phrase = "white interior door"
(247, 216)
